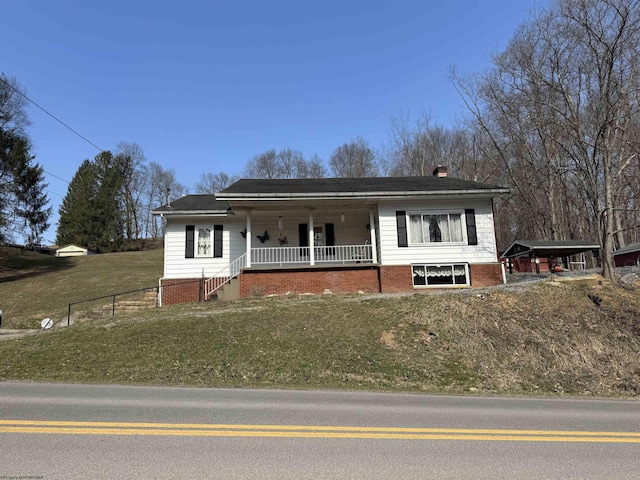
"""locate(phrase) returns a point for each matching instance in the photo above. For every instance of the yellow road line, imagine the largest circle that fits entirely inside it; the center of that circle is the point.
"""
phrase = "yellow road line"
(301, 431)
(341, 428)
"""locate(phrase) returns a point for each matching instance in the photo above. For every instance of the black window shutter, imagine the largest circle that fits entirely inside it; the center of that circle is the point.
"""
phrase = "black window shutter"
(401, 222)
(331, 238)
(188, 253)
(217, 241)
(472, 234)
(304, 234)
(330, 232)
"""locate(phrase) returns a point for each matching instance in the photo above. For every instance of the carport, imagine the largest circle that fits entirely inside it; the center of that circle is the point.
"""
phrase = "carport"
(548, 251)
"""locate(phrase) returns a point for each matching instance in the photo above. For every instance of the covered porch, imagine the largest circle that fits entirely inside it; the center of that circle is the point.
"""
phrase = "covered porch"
(308, 236)
(300, 243)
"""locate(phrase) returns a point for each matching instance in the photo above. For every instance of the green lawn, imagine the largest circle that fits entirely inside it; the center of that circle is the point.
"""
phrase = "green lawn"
(544, 339)
(34, 286)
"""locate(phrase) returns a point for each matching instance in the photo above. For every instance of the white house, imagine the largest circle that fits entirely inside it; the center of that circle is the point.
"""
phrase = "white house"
(393, 234)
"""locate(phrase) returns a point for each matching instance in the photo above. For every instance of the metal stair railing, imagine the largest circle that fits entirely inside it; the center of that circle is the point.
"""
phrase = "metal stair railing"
(224, 276)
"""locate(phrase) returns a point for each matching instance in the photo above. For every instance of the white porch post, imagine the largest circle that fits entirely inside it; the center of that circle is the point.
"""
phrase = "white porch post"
(312, 254)
(248, 239)
(372, 231)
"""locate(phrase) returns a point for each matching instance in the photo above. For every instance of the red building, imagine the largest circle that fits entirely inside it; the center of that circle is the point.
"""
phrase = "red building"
(627, 256)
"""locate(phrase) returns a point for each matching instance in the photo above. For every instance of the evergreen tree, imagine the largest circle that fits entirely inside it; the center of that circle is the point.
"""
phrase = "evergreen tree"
(33, 203)
(76, 208)
(23, 203)
(91, 213)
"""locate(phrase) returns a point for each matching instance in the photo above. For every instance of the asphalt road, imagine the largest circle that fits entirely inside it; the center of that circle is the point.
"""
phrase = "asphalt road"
(94, 432)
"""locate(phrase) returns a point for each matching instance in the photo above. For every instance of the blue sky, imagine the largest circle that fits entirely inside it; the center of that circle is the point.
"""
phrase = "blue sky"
(205, 86)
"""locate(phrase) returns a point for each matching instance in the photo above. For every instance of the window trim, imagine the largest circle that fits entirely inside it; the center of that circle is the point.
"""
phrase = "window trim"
(422, 213)
(196, 241)
(452, 265)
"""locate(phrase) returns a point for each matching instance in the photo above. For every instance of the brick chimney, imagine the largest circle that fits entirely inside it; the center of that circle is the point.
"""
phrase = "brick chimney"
(440, 171)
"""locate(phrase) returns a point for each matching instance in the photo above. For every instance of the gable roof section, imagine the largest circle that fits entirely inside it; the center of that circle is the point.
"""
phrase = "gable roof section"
(632, 247)
(194, 205)
(262, 189)
(324, 188)
(548, 248)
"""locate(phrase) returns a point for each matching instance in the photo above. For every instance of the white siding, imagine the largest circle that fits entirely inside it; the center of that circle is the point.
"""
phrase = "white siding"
(352, 232)
(484, 252)
(175, 263)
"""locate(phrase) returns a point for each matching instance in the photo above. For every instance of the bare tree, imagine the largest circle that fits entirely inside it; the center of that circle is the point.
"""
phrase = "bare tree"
(163, 187)
(354, 160)
(264, 165)
(13, 106)
(287, 163)
(559, 108)
(312, 168)
(134, 167)
(212, 183)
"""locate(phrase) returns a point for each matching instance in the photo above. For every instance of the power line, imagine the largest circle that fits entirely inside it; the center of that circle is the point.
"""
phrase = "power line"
(50, 114)
(53, 193)
(53, 175)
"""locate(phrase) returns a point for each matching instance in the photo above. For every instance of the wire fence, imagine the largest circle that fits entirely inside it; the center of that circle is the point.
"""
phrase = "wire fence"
(142, 298)
(109, 305)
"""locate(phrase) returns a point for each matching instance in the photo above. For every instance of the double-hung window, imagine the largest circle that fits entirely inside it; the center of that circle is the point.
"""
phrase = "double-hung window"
(203, 241)
(435, 228)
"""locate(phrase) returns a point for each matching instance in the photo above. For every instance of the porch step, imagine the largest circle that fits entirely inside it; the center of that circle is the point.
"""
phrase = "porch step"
(229, 291)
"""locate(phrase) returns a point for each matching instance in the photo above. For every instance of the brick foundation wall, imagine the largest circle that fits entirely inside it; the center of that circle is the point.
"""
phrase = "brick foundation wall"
(182, 290)
(485, 274)
(370, 279)
(309, 280)
(396, 279)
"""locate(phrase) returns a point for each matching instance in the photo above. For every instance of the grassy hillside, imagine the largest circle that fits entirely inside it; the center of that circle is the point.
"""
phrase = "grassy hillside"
(542, 339)
(34, 286)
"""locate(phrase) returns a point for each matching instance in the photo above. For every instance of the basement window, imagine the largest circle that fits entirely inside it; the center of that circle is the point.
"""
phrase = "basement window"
(440, 275)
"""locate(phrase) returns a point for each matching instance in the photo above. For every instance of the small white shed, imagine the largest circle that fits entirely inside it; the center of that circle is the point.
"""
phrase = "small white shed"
(72, 251)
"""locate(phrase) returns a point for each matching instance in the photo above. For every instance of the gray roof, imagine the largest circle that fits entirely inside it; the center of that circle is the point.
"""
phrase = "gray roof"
(195, 204)
(373, 186)
(548, 248)
(322, 188)
(632, 247)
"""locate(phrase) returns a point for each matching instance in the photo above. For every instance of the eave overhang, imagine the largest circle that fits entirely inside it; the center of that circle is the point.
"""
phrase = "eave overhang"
(274, 196)
(192, 213)
(549, 249)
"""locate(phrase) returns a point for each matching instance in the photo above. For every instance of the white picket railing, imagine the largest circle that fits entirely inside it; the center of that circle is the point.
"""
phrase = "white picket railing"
(224, 276)
(338, 254)
(343, 254)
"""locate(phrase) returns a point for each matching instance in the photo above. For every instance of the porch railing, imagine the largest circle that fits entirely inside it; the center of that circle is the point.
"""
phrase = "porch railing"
(279, 255)
(338, 254)
(224, 276)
